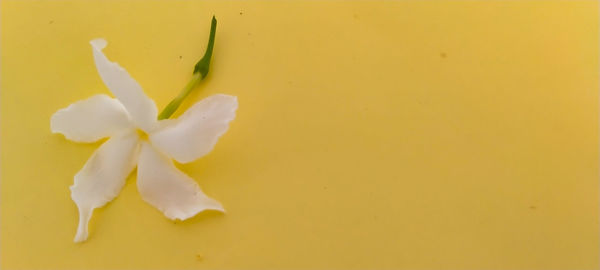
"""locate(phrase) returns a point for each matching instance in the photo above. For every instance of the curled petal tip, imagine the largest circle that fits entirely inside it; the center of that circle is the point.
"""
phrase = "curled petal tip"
(82, 228)
(98, 43)
(215, 206)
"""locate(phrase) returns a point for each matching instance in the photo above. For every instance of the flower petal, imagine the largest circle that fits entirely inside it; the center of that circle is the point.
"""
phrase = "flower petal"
(165, 187)
(91, 119)
(196, 132)
(102, 177)
(141, 108)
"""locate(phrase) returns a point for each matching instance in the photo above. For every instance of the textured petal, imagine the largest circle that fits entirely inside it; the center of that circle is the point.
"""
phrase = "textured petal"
(91, 119)
(141, 108)
(196, 132)
(165, 187)
(102, 177)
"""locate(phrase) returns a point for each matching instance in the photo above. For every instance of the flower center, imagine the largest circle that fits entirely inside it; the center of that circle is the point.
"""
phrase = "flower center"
(142, 134)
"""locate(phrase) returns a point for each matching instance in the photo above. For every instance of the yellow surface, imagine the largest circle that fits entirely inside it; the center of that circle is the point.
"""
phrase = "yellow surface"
(370, 135)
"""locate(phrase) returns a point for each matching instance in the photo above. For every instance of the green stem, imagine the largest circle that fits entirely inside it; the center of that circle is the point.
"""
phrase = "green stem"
(174, 104)
(200, 71)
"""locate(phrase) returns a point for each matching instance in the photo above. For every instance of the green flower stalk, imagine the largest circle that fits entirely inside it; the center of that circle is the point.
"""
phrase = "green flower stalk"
(200, 71)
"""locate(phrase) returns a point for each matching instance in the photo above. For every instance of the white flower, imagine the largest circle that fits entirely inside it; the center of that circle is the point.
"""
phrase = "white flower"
(138, 138)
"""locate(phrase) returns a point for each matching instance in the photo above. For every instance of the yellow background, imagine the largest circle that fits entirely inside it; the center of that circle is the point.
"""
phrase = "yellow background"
(370, 135)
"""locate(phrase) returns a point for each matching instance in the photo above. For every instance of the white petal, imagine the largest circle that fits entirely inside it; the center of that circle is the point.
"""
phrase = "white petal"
(196, 132)
(102, 177)
(91, 119)
(165, 187)
(141, 108)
